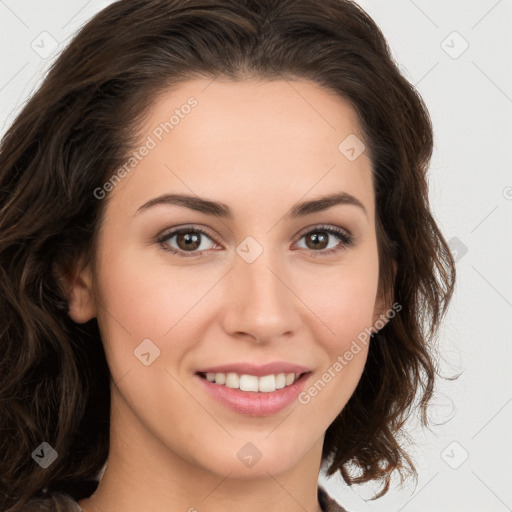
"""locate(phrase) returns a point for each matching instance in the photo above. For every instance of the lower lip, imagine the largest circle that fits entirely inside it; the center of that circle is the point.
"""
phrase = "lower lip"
(253, 403)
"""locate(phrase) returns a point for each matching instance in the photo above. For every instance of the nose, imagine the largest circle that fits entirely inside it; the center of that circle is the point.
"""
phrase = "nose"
(259, 300)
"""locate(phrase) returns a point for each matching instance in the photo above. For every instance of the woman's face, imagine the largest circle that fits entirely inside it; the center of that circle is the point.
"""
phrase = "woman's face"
(263, 281)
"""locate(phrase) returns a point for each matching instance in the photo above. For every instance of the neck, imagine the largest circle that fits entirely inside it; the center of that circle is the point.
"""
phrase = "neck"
(144, 474)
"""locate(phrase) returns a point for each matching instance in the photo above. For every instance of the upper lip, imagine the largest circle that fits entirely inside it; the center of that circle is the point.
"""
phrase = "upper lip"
(246, 368)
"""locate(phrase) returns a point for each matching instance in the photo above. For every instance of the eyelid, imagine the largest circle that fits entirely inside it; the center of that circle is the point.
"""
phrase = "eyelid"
(176, 230)
(346, 238)
(325, 227)
(166, 233)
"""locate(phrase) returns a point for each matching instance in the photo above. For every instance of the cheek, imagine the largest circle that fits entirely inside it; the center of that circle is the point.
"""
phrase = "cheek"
(343, 302)
(139, 300)
(146, 294)
(343, 299)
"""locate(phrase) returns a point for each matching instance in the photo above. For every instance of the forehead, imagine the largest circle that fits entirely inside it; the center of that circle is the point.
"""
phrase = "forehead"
(256, 111)
(246, 138)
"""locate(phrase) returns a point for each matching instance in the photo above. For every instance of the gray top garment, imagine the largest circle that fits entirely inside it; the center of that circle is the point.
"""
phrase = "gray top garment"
(61, 502)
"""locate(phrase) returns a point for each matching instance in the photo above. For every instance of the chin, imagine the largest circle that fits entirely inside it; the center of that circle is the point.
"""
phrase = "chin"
(249, 460)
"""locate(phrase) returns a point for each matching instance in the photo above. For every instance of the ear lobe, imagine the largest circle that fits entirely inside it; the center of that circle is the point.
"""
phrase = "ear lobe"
(78, 289)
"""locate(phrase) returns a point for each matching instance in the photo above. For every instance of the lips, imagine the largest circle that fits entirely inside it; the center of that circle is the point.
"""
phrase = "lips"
(271, 400)
(247, 368)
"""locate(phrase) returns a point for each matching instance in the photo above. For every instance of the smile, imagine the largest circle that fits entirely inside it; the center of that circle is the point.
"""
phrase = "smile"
(245, 382)
(251, 395)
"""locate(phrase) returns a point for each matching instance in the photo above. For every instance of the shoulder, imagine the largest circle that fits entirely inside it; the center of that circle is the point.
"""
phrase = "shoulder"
(327, 503)
(57, 502)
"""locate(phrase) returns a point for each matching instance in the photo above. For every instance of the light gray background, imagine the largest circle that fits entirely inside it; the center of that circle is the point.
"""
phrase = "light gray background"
(469, 94)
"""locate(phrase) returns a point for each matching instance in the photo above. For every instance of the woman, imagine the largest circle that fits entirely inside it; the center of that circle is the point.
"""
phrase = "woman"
(219, 265)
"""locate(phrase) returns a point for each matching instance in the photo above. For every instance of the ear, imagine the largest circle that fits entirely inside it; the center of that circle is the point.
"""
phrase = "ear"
(383, 305)
(77, 286)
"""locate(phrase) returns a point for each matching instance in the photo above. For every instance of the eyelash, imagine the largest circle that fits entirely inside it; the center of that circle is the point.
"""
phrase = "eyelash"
(344, 236)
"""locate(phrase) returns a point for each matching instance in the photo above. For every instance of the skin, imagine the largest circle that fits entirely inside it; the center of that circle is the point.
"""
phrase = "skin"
(260, 147)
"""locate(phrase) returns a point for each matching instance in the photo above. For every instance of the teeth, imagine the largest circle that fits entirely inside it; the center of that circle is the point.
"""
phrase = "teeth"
(232, 380)
(280, 380)
(248, 383)
(265, 384)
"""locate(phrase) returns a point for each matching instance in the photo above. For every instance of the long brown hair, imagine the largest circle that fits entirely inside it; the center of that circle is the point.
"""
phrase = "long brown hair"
(79, 127)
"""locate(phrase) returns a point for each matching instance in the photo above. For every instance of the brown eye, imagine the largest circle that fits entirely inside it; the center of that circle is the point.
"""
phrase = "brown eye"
(186, 241)
(327, 240)
(317, 240)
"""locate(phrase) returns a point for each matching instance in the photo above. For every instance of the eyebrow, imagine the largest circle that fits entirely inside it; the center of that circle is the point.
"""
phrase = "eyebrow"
(221, 210)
